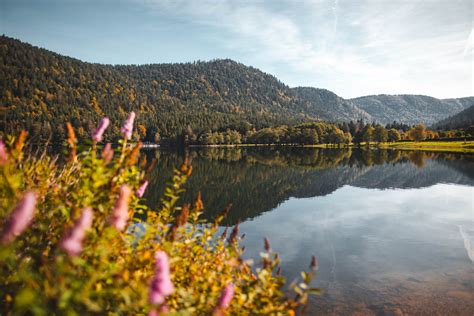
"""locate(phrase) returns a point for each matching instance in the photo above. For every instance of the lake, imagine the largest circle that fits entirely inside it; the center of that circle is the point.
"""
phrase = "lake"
(393, 231)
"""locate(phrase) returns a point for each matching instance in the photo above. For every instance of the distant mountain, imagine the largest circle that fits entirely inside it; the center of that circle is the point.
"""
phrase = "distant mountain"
(41, 91)
(407, 109)
(329, 106)
(410, 109)
(463, 119)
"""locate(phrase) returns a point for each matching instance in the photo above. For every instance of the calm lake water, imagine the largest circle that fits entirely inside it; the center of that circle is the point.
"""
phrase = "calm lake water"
(393, 231)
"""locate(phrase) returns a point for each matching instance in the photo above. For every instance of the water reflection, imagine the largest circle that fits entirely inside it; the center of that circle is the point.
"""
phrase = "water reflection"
(393, 230)
(374, 246)
(257, 180)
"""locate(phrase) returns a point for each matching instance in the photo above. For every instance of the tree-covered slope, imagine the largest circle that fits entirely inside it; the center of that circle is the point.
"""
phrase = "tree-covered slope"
(463, 119)
(41, 91)
(326, 104)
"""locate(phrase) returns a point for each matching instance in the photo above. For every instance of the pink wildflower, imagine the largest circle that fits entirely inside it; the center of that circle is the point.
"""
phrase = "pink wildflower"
(3, 153)
(164, 309)
(161, 285)
(97, 134)
(72, 241)
(108, 153)
(141, 189)
(20, 218)
(120, 212)
(226, 296)
(127, 127)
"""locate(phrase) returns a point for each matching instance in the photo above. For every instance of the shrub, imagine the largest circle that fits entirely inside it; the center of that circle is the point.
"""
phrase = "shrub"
(77, 239)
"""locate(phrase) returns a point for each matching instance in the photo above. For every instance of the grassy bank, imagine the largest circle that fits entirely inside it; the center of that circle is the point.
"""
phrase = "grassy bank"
(459, 146)
(445, 146)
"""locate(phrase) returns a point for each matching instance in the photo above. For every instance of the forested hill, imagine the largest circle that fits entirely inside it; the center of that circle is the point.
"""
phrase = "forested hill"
(330, 106)
(41, 91)
(463, 119)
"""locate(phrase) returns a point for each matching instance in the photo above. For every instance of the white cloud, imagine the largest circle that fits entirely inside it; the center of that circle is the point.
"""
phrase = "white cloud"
(350, 47)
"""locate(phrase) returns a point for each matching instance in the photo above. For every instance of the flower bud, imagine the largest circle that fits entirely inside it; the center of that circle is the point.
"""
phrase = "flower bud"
(127, 128)
(72, 241)
(161, 285)
(20, 218)
(120, 212)
(98, 133)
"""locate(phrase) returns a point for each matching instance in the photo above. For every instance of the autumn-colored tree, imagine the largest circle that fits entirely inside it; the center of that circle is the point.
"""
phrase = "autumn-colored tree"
(380, 134)
(368, 135)
(393, 135)
(417, 133)
(347, 138)
(430, 134)
(157, 137)
(141, 130)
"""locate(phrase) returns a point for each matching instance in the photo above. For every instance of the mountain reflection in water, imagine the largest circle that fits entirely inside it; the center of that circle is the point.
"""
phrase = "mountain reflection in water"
(256, 180)
(393, 230)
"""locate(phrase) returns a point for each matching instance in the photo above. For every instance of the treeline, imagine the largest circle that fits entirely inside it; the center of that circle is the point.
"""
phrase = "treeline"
(319, 133)
(463, 121)
(372, 132)
(306, 133)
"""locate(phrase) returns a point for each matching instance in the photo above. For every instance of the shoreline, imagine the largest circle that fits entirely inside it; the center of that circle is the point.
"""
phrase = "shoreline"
(444, 146)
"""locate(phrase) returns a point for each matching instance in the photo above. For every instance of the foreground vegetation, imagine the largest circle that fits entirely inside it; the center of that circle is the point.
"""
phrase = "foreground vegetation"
(77, 239)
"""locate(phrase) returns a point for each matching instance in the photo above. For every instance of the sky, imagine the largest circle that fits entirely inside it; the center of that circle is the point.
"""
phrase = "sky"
(351, 47)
